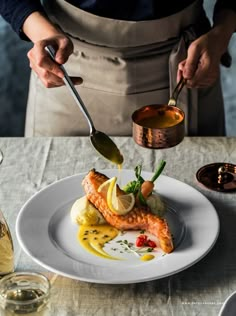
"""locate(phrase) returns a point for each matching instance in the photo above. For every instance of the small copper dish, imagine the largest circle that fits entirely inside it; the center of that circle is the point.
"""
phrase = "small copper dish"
(219, 176)
(160, 125)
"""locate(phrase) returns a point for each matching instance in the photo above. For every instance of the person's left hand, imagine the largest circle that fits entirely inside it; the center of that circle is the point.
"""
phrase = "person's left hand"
(202, 65)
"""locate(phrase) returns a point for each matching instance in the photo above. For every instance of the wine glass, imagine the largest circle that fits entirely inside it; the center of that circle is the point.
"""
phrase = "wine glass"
(6, 243)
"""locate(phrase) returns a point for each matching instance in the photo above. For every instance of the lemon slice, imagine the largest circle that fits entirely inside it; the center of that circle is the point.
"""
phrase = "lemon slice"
(121, 204)
(103, 188)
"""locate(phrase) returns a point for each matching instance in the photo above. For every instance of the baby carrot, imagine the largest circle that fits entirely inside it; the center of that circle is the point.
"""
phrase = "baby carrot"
(147, 188)
(148, 185)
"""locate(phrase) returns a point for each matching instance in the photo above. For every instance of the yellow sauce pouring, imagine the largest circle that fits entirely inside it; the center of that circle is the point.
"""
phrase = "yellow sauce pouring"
(93, 239)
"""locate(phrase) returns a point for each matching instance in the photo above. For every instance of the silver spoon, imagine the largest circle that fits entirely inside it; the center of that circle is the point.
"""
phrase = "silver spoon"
(100, 141)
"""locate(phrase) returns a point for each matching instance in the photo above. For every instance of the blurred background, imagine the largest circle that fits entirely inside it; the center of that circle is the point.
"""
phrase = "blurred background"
(15, 72)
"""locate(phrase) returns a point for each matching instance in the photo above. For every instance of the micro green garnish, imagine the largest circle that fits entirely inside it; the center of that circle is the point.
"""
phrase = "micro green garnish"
(134, 186)
(129, 247)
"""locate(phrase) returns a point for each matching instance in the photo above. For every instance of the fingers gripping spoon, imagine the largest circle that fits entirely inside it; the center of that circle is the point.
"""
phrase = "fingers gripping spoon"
(100, 141)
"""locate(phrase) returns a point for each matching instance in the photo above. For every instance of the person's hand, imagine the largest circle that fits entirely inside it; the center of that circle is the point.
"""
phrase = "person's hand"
(202, 65)
(48, 70)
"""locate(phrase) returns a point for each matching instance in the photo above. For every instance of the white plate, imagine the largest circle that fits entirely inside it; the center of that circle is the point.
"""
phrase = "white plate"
(46, 233)
(229, 306)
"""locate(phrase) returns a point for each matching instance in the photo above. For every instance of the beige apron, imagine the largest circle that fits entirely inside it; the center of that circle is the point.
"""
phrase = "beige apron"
(124, 65)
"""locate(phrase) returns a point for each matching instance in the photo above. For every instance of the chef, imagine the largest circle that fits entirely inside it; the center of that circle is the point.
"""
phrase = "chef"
(121, 55)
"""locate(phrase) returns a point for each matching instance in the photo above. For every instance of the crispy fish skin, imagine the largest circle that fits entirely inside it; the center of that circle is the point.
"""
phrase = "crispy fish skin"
(139, 218)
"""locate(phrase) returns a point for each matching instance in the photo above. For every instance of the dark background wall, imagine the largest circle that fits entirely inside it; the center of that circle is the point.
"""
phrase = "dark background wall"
(14, 79)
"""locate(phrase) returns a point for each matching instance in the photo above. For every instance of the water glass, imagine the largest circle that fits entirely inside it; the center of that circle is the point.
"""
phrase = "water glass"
(24, 293)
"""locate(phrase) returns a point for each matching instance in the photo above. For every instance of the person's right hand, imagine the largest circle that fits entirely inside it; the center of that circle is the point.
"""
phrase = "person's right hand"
(48, 70)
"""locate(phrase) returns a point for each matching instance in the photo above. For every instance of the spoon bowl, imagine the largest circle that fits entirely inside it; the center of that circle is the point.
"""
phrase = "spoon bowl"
(106, 147)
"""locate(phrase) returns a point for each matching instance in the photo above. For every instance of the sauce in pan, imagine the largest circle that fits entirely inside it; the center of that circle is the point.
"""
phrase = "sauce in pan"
(162, 119)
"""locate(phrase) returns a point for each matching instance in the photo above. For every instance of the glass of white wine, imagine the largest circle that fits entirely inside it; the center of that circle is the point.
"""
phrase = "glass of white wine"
(21, 293)
(6, 244)
(6, 248)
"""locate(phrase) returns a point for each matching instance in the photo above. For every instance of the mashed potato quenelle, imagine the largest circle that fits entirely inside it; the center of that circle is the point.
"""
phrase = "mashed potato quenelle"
(84, 213)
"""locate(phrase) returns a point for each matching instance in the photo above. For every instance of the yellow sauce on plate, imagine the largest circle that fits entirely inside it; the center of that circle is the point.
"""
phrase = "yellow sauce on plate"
(93, 239)
(147, 257)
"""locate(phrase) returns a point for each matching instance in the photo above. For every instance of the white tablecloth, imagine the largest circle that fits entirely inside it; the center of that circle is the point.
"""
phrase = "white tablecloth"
(32, 163)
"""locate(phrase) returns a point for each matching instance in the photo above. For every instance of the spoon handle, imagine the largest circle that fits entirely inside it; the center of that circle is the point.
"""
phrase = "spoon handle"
(72, 89)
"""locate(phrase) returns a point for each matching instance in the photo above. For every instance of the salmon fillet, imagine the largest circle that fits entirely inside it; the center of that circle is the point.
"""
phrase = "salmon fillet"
(139, 218)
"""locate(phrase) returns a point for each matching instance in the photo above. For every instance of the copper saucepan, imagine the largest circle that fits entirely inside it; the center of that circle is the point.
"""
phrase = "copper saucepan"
(160, 125)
